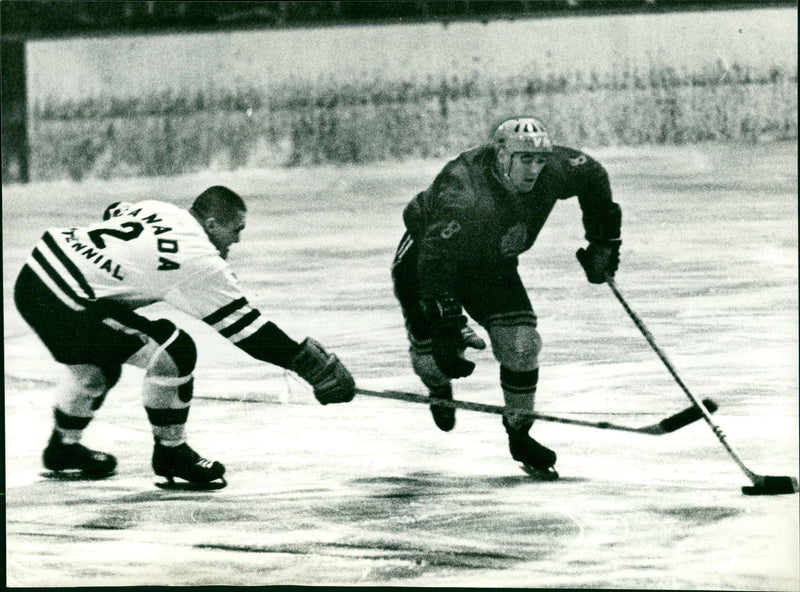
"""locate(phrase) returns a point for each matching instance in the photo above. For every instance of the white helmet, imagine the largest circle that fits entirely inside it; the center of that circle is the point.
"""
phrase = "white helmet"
(518, 134)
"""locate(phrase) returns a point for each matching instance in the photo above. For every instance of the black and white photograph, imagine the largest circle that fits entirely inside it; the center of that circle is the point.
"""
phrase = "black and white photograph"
(401, 293)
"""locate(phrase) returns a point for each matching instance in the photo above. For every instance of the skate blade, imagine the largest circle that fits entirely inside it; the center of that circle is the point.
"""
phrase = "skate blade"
(188, 486)
(540, 474)
(75, 475)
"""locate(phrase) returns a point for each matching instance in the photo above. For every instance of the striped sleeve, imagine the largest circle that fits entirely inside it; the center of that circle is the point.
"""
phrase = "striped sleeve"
(59, 273)
(229, 312)
(213, 295)
(236, 320)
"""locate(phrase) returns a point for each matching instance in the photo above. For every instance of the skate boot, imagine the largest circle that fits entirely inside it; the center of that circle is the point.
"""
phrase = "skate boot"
(59, 456)
(537, 460)
(183, 462)
(443, 417)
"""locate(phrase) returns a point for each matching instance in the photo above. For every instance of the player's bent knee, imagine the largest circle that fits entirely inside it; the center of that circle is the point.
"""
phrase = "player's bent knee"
(516, 347)
(183, 352)
(169, 381)
(425, 367)
(176, 357)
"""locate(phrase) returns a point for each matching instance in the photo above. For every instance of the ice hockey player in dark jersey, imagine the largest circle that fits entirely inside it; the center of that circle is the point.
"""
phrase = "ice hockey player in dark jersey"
(460, 254)
(80, 288)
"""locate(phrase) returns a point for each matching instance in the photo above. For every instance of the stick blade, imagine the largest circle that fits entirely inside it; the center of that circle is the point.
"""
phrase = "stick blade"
(772, 486)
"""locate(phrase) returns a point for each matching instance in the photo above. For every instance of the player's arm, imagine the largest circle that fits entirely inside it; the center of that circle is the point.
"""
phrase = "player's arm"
(601, 217)
(445, 237)
(331, 380)
(445, 241)
(216, 299)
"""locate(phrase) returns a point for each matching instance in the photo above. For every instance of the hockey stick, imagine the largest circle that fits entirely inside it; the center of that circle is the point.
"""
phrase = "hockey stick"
(762, 484)
(665, 426)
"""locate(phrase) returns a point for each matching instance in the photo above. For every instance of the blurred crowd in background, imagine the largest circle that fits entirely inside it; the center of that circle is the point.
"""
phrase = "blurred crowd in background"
(106, 133)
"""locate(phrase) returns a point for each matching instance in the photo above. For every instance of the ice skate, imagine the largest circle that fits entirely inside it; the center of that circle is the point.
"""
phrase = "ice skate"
(183, 462)
(443, 417)
(537, 460)
(91, 464)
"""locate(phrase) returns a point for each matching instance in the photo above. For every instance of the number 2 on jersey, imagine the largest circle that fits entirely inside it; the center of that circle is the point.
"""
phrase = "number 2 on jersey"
(96, 236)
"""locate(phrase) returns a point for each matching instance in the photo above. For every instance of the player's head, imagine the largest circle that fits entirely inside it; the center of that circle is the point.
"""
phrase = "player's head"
(522, 148)
(222, 213)
(116, 209)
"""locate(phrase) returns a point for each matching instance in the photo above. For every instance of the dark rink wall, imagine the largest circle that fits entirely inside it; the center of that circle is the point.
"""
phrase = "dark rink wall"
(171, 103)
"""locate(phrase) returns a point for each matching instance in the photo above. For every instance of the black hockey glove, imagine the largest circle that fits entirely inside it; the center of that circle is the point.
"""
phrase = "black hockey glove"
(332, 382)
(600, 260)
(450, 336)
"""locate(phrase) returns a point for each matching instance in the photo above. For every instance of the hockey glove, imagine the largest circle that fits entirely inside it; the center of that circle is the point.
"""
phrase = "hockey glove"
(450, 336)
(332, 382)
(600, 260)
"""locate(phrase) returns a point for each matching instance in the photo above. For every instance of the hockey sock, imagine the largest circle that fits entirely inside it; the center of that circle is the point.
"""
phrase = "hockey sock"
(82, 392)
(519, 389)
(167, 401)
(69, 427)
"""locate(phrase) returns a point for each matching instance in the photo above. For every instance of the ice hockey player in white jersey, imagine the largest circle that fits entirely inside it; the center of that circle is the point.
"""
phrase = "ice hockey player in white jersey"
(79, 290)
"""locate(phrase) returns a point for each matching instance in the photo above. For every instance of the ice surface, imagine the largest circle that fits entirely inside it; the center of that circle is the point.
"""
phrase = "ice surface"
(371, 493)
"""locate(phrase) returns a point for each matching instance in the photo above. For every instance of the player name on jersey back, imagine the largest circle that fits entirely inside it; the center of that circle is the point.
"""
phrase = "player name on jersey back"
(138, 254)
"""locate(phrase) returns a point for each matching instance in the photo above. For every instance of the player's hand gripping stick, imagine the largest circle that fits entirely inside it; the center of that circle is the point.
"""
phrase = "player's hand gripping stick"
(450, 337)
(600, 260)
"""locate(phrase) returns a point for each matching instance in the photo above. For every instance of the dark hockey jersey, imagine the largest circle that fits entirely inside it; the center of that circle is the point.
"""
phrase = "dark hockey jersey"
(467, 223)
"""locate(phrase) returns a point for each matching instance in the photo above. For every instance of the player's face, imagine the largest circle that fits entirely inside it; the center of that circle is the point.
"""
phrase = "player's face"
(224, 234)
(525, 168)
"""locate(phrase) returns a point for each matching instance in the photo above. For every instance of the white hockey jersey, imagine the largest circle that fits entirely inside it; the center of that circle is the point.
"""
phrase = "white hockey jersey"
(146, 252)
